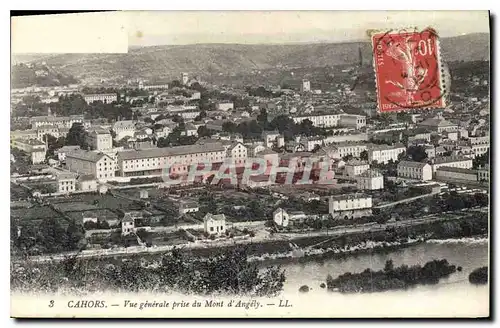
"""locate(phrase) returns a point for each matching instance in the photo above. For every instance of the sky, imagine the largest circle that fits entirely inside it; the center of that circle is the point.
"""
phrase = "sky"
(150, 28)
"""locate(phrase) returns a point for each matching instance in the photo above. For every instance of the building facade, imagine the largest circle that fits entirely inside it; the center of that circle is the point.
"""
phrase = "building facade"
(99, 165)
(350, 206)
(370, 180)
(414, 170)
(106, 98)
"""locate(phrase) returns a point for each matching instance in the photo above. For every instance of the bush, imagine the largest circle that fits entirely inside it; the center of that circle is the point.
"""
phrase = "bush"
(479, 276)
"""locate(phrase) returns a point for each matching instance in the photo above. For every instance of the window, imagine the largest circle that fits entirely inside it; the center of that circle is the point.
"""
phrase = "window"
(221, 228)
(211, 228)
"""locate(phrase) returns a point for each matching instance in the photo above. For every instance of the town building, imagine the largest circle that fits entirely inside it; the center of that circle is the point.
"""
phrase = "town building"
(184, 78)
(350, 206)
(106, 98)
(451, 161)
(414, 170)
(305, 86)
(188, 206)
(100, 139)
(483, 173)
(439, 124)
(238, 152)
(124, 129)
(177, 160)
(59, 121)
(284, 218)
(446, 173)
(342, 149)
(99, 165)
(35, 148)
(321, 120)
(24, 134)
(385, 153)
(128, 224)
(224, 106)
(214, 224)
(66, 180)
(370, 180)
(270, 138)
(430, 150)
(352, 121)
(86, 182)
(355, 167)
(61, 152)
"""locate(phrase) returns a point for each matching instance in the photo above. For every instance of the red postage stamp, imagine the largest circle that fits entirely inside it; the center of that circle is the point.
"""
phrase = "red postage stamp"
(408, 70)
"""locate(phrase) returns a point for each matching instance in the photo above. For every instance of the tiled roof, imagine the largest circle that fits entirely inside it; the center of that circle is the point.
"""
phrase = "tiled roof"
(85, 155)
(412, 164)
(171, 151)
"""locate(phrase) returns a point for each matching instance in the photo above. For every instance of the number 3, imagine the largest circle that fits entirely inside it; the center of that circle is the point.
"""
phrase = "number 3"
(51, 304)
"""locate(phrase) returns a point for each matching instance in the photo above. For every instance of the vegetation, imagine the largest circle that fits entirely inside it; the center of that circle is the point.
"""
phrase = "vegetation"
(48, 237)
(391, 278)
(479, 276)
(230, 272)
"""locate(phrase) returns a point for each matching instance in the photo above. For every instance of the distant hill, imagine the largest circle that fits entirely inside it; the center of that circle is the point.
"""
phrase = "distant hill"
(36, 74)
(204, 59)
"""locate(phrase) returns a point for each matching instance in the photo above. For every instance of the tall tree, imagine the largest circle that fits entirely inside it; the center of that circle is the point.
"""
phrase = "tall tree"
(77, 136)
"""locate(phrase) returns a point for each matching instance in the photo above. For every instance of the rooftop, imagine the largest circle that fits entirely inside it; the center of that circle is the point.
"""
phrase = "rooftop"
(456, 170)
(85, 155)
(450, 159)
(171, 151)
(412, 164)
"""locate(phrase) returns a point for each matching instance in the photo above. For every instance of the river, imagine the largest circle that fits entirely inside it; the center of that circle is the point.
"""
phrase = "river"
(453, 296)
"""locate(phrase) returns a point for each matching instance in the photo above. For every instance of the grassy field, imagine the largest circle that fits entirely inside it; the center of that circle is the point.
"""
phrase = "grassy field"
(33, 213)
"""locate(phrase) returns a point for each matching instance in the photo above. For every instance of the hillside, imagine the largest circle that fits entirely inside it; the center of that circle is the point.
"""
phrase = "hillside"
(31, 74)
(203, 59)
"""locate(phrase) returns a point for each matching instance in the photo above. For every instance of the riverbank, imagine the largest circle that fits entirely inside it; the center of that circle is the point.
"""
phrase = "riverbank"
(267, 245)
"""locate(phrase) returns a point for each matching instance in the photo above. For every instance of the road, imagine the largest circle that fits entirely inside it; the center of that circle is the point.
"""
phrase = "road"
(262, 235)
(406, 200)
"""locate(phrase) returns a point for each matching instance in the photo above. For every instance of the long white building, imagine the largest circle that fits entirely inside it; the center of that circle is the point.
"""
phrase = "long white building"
(349, 206)
(177, 159)
(106, 98)
(385, 153)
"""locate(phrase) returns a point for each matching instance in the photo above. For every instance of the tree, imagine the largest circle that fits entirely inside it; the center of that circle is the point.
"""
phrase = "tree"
(416, 153)
(74, 233)
(363, 155)
(77, 136)
(389, 265)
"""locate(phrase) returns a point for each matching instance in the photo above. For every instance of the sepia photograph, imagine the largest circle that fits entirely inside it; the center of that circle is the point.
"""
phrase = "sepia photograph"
(250, 164)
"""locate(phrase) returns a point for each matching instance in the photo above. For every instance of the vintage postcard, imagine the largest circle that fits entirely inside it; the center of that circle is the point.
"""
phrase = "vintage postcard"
(233, 164)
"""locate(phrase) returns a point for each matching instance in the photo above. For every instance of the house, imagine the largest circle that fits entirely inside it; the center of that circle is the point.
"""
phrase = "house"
(124, 129)
(370, 180)
(483, 173)
(414, 170)
(214, 224)
(128, 224)
(349, 206)
(61, 152)
(190, 130)
(284, 218)
(188, 206)
(430, 150)
(100, 139)
(66, 181)
(356, 167)
(225, 106)
(270, 138)
(238, 152)
(86, 182)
